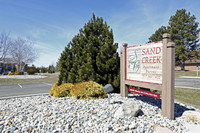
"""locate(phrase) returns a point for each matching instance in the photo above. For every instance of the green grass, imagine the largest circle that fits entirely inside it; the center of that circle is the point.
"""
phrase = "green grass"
(49, 78)
(188, 96)
(179, 73)
(185, 95)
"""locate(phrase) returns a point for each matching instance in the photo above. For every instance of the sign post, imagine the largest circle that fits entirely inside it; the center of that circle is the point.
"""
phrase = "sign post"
(150, 66)
(168, 77)
(123, 86)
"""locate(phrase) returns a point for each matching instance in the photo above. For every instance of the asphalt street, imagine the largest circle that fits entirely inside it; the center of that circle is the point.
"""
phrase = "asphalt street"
(188, 82)
(17, 90)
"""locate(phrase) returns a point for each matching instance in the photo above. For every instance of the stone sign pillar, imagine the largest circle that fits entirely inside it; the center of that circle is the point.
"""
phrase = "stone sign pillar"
(168, 61)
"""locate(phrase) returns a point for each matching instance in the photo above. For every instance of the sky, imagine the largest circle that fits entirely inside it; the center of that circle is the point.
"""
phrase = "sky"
(53, 23)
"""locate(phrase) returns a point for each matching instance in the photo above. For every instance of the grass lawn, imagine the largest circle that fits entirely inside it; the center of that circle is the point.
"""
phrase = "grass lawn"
(188, 96)
(179, 73)
(49, 78)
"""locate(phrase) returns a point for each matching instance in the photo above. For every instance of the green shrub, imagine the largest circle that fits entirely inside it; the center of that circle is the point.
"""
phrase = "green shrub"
(19, 73)
(62, 90)
(88, 90)
(30, 71)
(53, 88)
(11, 73)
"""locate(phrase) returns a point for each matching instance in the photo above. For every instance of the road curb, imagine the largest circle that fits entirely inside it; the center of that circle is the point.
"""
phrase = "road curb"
(20, 96)
(187, 87)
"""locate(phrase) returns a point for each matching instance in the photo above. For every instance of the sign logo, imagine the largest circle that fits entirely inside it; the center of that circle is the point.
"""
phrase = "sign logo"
(133, 61)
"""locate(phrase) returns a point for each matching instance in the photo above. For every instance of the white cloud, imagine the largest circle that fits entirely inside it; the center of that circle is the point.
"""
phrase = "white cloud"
(47, 54)
(53, 36)
(36, 33)
(47, 59)
(137, 24)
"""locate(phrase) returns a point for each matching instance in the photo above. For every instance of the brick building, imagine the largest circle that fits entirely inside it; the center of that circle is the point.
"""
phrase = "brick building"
(190, 65)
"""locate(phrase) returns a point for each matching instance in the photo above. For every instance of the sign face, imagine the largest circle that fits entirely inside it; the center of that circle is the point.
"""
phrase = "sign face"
(146, 93)
(144, 63)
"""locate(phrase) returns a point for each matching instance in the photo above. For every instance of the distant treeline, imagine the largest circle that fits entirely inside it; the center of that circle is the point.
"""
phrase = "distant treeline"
(42, 69)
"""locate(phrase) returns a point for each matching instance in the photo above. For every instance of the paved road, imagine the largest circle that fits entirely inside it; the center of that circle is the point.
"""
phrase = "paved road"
(17, 90)
(24, 89)
(187, 82)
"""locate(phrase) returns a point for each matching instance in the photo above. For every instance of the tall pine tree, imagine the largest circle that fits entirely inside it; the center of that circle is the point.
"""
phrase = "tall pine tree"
(64, 64)
(184, 33)
(158, 35)
(92, 55)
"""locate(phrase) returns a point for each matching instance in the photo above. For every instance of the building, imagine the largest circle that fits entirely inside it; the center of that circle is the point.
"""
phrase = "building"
(9, 66)
(190, 65)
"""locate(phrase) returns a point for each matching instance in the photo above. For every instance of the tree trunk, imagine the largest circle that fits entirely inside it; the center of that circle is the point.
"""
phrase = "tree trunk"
(183, 65)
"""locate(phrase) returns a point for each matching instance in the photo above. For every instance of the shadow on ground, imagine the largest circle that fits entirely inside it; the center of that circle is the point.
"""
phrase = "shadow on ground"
(178, 109)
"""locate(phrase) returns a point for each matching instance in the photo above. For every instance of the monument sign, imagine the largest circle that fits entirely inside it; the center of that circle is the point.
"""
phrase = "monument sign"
(150, 66)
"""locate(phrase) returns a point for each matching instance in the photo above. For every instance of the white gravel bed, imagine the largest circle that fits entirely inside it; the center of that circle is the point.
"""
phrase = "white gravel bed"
(45, 114)
(22, 77)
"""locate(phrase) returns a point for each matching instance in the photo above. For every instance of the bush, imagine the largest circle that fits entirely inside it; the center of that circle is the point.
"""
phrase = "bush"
(62, 90)
(30, 71)
(19, 73)
(11, 73)
(53, 88)
(88, 90)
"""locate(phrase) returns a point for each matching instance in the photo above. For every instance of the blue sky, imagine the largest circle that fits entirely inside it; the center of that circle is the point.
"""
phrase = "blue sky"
(53, 23)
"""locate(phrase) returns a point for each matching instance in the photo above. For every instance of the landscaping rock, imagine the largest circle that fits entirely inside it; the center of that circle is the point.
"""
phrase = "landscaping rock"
(49, 114)
(192, 128)
(192, 116)
(129, 108)
(158, 129)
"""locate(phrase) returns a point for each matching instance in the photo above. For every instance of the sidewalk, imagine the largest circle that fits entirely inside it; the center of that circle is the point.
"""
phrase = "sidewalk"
(187, 77)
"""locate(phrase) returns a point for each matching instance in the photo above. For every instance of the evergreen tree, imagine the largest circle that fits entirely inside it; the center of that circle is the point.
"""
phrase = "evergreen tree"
(51, 69)
(43, 69)
(158, 35)
(184, 33)
(92, 55)
(64, 64)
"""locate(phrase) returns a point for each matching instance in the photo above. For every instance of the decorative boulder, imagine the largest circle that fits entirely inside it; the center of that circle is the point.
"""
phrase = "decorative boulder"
(158, 129)
(108, 88)
(129, 108)
(192, 128)
(191, 116)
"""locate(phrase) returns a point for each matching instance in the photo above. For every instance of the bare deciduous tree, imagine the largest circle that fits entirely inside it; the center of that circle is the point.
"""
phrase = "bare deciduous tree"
(5, 44)
(22, 52)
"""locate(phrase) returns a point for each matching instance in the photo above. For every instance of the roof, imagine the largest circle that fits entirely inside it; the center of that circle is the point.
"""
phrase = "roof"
(192, 61)
(9, 61)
